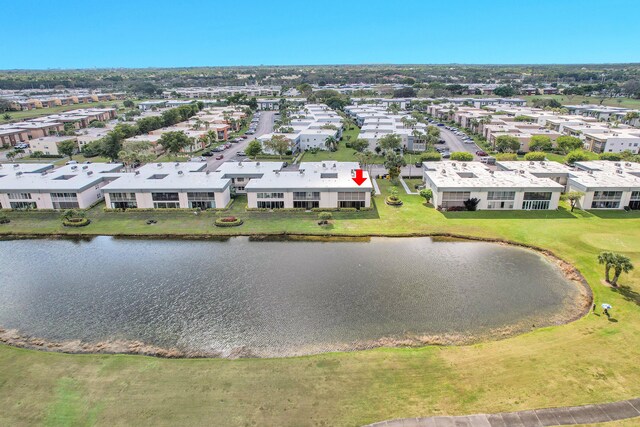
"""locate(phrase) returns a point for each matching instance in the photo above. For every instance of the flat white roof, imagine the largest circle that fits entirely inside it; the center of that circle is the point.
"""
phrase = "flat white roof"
(71, 178)
(167, 180)
(474, 176)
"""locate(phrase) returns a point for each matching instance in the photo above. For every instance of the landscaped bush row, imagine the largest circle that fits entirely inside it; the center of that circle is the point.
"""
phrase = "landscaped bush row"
(248, 209)
(111, 210)
(393, 201)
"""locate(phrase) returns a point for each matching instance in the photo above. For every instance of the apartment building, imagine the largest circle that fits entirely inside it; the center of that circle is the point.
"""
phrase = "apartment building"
(326, 184)
(49, 144)
(453, 183)
(168, 186)
(68, 187)
(240, 173)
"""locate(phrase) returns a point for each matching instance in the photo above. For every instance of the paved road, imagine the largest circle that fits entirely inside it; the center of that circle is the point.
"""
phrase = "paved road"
(265, 125)
(571, 415)
(456, 144)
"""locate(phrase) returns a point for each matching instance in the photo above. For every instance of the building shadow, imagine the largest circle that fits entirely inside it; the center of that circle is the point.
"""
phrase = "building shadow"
(514, 214)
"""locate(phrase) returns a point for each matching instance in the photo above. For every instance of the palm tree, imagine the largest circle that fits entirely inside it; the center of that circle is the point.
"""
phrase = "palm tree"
(331, 143)
(607, 259)
(621, 264)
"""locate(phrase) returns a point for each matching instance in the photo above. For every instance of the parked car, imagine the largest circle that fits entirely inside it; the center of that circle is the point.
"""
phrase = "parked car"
(468, 141)
(244, 137)
(481, 153)
(198, 159)
(87, 162)
(440, 124)
(227, 145)
(22, 146)
(207, 154)
(219, 157)
(446, 155)
(488, 160)
(240, 154)
(418, 164)
(440, 141)
(71, 162)
(285, 164)
(250, 132)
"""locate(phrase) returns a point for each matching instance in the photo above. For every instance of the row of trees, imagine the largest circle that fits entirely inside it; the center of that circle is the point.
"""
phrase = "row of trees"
(111, 145)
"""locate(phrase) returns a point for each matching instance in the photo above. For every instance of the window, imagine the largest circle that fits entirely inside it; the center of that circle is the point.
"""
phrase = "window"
(239, 179)
(166, 205)
(501, 195)
(271, 205)
(23, 205)
(20, 196)
(351, 196)
(64, 196)
(122, 197)
(537, 195)
(306, 195)
(202, 200)
(164, 196)
(307, 204)
(270, 196)
(606, 199)
(158, 176)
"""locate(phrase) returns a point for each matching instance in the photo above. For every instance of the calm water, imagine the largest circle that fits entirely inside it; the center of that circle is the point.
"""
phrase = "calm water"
(273, 298)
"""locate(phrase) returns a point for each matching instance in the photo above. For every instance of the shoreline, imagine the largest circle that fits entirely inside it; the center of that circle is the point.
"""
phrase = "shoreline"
(583, 301)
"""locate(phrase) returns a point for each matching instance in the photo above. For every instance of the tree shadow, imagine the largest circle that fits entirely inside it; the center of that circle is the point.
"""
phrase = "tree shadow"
(615, 214)
(612, 320)
(627, 293)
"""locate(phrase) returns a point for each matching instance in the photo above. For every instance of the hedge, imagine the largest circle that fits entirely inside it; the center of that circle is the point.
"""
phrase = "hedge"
(76, 222)
(221, 223)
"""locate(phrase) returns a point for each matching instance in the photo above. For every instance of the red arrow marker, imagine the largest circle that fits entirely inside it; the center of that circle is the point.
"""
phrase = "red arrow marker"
(359, 179)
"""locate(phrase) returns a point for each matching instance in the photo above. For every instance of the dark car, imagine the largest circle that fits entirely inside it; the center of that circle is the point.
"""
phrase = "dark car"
(241, 154)
(440, 141)
(418, 164)
(244, 137)
(446, 155)
(219, 157)
(207, 154)
(481, 153)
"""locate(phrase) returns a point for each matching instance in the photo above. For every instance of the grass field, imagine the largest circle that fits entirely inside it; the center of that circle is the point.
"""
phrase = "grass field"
(29, 114)
(590, 360)
(577, 100)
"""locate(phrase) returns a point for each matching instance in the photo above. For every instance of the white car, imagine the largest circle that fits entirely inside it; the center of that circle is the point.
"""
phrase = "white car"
(198, 159)
(22, 146)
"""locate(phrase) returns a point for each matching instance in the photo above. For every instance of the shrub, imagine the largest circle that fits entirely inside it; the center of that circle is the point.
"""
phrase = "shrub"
(471, 204)
(76, 222)
(426, 194)
(230, 221)
(535, 156)
(461, 156)
(612, 157)
(506, 156)
(4, 219)
(576, 156)
(430, 156)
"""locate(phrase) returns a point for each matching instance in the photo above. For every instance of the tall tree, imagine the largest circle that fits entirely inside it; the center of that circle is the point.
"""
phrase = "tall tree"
(568, 143)
(390, 142)
(254, 148)
(278, 144)
(393, 163)
(174, 142)
(67, 148)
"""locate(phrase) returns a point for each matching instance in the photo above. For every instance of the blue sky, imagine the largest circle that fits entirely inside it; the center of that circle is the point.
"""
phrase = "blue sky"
(88, 33)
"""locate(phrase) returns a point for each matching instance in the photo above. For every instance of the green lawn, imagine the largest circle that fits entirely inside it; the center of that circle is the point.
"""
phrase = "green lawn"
(590, 360)
(29, 114)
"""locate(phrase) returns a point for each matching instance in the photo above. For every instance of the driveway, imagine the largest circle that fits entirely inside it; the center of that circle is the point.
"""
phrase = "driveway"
(265, 125)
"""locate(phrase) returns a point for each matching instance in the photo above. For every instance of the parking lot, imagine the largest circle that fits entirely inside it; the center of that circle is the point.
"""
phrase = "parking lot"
(264, 125)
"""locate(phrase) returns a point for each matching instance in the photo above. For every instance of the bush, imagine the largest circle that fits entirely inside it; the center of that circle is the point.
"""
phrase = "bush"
(576, 156)
(97, 124)
(4, 219)
(506, 157)
(612, 157)
(461, 156)
(430, 156)
(230, 221)
(76, 222)
(535, 156)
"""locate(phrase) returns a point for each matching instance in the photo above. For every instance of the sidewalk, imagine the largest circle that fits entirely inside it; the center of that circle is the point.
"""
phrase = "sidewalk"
(569, 415)
(406, 187)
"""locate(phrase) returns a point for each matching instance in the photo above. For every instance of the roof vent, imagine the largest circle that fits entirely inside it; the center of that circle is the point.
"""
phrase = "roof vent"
(177, 165)
(239, 164)
(137, 173)
(257, 163)
(74, 167)
(18, 173)
(180, 173)
(207, 172)
(159, 165)
(324, 165)
(301, 171)
(277, 172)
(619, 171)
(89, 173)
(16, 166)
(85, 167)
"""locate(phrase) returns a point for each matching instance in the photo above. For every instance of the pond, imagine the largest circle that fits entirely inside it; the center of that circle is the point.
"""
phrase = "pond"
(277, 298)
